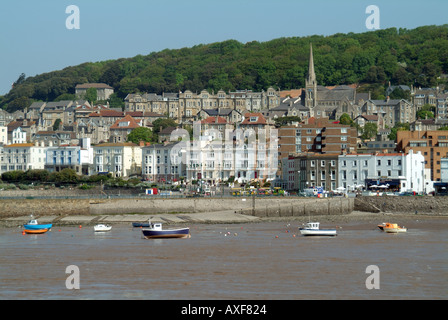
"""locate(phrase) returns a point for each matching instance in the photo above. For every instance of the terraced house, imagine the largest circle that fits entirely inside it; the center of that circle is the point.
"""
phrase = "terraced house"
(22, 156)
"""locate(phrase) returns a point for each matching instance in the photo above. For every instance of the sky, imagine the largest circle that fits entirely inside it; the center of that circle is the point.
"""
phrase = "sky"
(34, 37)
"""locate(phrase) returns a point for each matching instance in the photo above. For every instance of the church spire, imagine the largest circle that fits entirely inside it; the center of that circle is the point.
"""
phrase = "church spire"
(311, 74)
(311, 84)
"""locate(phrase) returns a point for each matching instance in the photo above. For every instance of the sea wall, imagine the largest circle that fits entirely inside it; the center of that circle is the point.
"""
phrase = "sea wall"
(265, 207)
(403, 204)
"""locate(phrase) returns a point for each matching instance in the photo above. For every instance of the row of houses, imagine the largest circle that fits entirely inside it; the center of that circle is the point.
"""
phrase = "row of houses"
(214, 162)
(352, 172)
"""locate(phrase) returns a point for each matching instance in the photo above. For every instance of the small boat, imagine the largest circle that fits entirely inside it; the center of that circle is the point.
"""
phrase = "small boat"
(102, 228)
(155, 231)
(140, 224)
(394, 228)
(312, 229)
(34, 225)
(381, 226)
(35, 231)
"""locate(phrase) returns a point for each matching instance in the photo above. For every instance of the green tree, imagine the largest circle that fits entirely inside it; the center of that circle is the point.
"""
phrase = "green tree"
(398, 127)
(91, 95)
(345, 119)
(56, 124)
(13, 176)
(426, 112)
(141, 134)
(64, 176)
(369, 131)
(163, 123)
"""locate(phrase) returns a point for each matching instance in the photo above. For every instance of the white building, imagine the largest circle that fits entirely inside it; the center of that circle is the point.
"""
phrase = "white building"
(76, 157)
(18, 136)
(3, 135)
(397, 171)
(22, 156)
(119, 159)
(161, 163)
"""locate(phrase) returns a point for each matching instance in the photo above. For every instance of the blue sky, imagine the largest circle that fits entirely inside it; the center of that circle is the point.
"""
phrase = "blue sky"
(34, 38)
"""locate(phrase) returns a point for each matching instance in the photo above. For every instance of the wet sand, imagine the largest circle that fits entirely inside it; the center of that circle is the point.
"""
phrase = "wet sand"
(251, 260)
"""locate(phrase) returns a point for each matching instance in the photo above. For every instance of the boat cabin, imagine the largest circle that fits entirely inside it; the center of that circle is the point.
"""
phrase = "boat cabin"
(34, 221)
(312, 225)
(155, 226)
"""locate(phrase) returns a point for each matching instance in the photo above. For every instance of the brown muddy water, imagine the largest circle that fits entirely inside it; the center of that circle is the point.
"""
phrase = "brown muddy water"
(268, 260)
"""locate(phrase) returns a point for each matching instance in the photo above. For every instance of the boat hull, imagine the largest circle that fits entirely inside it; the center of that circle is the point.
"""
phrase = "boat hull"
(35, 231)
(37, 226)
(102, 228)
(320, 232)
(140, 225)
(161, 234)
(395, 230)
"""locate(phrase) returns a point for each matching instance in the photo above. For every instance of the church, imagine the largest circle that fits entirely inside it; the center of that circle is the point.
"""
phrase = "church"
(330, 102)
(319, 101)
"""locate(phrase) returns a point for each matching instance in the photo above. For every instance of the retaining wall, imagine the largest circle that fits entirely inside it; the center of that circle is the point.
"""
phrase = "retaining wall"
(265, 207)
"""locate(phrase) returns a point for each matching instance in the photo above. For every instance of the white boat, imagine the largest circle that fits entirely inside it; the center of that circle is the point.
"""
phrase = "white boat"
(102, 228)
(394, 228)
(312, 229)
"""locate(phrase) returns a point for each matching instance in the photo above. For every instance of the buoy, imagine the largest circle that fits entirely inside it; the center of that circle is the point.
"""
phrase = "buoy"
(23, 232)
(80, 226)
(59, 230)
(276, 237)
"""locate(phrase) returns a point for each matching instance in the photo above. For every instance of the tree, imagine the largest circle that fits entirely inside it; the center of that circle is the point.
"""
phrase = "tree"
(369, 131)
(20, 80)
(141, 134)
(426, 112)
(164, 123)
(345, 119)
(56, 124)
(398, 127)
(91, 95)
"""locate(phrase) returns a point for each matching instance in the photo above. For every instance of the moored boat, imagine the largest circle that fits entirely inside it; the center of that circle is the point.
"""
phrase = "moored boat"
(155, 231)
(382, 225)
(34, 225)
(313, 229)
(140, 224)
(394, 228)
(35, 231)
(102, 228)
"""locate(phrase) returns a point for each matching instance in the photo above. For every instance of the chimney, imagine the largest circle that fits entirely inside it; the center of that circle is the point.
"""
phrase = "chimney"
(142, 143)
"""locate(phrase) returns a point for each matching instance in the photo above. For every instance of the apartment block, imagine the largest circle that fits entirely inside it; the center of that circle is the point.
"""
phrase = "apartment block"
(432, 144)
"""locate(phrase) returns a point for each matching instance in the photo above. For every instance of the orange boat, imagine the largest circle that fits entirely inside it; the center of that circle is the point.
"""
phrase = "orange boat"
(37, 231)
(391, 227)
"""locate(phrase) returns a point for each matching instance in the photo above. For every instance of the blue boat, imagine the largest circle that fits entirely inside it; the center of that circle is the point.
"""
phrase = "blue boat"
(155, 231)
(140, 224)
(34, 225)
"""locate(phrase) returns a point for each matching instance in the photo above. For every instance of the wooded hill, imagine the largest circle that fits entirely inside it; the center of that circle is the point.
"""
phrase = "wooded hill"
(401, 56)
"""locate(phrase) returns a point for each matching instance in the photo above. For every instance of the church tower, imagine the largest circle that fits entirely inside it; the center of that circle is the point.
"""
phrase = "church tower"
(311, 84)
